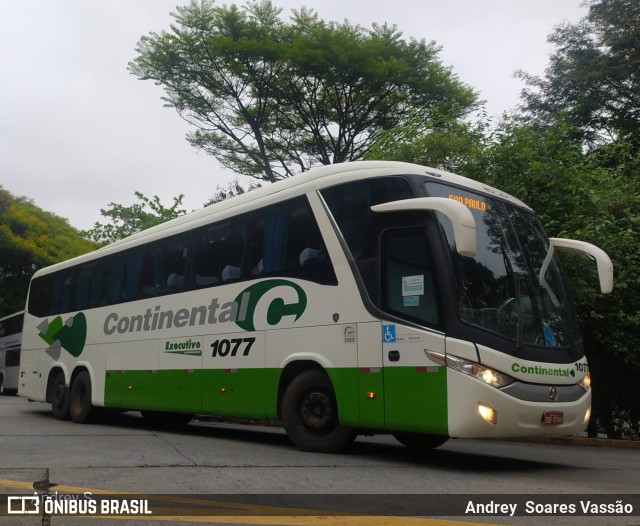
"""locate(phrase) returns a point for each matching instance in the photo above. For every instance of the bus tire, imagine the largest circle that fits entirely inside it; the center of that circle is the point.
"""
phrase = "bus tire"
(80, 408)
(420, 441)
(59, 397)
(310, 414)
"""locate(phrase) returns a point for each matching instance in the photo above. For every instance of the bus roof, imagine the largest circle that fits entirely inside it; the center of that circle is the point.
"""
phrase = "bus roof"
(317, 177)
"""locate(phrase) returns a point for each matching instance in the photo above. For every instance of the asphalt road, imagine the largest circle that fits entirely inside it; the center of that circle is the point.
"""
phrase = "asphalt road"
(209, 464)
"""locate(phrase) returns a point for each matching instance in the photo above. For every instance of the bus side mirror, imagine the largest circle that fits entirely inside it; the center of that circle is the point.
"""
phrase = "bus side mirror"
(464, 226)
(605, 266)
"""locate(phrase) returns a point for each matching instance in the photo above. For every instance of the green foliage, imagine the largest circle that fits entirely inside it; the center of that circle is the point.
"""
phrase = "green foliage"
(592, 75)
(232, 189)
(582, 196)
(30, 238)
(573, 156)
(593, 196)
(445, 143)
(592, 84)
(127, 220)
(269, 98)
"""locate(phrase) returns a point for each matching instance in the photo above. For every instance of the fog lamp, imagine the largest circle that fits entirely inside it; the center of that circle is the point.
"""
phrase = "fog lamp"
(488, 413)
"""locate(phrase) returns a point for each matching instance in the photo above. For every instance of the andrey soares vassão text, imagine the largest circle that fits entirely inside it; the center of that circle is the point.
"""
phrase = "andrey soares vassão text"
(531, 507)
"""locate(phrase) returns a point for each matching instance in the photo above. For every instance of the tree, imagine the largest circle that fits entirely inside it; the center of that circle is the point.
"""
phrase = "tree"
(269, 98)
(30, 238)
(577, 194)
(592, 75)
(127, 220)
(450, 145)
(592, 84)
(232, 189)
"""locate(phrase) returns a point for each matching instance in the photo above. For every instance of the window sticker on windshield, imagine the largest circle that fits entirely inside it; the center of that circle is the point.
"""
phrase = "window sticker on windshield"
(549, 337)
(413, 285)
(411, 301)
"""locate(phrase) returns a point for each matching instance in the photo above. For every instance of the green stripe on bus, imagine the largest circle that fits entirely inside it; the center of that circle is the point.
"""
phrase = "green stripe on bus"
(224, 392)
(416, 399)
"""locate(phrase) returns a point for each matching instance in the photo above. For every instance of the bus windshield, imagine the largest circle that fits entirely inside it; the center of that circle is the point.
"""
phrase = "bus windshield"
(514, 286)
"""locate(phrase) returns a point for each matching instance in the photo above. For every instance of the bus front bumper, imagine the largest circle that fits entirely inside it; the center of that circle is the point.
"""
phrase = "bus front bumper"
(477, 410)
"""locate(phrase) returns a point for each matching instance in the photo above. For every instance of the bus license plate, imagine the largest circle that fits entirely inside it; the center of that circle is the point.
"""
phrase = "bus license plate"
(553, 418)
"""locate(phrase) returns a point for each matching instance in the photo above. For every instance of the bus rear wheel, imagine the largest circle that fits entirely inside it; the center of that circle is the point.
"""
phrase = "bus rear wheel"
(310, 414)
(80, 407)
(59, 397)
(420, 441)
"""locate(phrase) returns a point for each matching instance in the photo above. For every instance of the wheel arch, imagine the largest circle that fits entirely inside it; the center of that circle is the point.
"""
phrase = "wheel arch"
(69, 377)
(53, 372)
(77, 369)
(291, 370)
(344, 383)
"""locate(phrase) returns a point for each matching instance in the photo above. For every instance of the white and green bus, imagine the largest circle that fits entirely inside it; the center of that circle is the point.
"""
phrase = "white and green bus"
(10, 338)
(370, 297)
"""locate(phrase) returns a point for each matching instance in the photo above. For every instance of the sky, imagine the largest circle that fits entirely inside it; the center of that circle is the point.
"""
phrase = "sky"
(78, 131)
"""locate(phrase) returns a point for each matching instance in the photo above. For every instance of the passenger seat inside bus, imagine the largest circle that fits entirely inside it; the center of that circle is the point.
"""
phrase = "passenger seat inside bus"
(230, 273)
(309, 256)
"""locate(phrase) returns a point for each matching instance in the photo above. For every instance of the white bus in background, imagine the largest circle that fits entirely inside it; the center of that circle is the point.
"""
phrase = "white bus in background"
(370, 297)
(10, 338)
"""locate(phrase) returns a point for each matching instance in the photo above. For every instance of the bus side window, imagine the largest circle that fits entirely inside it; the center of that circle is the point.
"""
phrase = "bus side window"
(205, 266)
(41, 296)
(164, 266)
(217, 252)
(286, 241)
(116, 278)
(62, 290)
(350, 205)
(12, 358)
(83, 278)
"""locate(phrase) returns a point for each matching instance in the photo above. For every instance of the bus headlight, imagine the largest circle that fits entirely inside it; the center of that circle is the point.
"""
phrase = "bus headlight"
(482, 373)
(585, 383)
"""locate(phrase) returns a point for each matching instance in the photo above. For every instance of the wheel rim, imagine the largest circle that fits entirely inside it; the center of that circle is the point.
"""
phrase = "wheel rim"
(316, 411)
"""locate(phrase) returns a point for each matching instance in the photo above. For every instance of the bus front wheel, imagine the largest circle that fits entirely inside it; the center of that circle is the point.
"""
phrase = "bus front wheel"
(80, 407)
(59, 397)
(310, 414)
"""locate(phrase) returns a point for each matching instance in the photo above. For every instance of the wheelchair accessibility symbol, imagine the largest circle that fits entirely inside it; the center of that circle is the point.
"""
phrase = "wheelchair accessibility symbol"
(389, 333)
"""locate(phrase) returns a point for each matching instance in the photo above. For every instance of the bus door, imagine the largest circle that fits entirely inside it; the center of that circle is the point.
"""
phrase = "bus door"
(414, 386)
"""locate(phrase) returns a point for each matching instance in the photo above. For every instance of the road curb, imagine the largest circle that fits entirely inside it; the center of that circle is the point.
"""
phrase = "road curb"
(580, 441)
